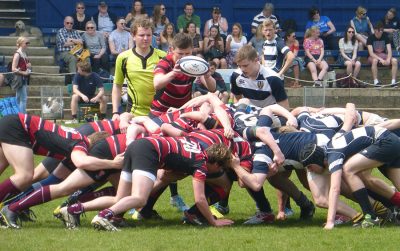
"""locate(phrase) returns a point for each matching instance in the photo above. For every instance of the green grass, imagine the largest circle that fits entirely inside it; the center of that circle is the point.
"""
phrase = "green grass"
(49, 234)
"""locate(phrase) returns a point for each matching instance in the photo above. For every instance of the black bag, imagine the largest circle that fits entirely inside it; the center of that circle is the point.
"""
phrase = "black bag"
(214, 52)
(347, 82)
(16, 82)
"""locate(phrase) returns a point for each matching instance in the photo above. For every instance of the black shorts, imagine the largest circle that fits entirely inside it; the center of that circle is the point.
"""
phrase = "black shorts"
(12, 132)
(86, 129)
(50, 164)
(386, 149)
(141, 155)
(101, 175)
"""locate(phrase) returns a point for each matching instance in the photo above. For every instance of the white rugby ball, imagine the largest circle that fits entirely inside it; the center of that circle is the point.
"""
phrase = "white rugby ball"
(193, 66)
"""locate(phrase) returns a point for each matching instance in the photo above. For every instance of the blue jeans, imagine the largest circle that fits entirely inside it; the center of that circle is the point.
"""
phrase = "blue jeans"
(22, 96)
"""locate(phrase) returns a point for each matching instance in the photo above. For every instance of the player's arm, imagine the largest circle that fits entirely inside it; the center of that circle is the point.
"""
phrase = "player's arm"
(83, 161)
(334, 192)
(170, 130)
(161, 79)
(391, 124)
(254, 181)
(116, 100)
(282, 111)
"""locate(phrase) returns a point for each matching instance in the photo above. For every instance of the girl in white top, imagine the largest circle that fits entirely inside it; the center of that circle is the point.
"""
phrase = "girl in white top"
(234, 42)
(348, 46)
(216, 20)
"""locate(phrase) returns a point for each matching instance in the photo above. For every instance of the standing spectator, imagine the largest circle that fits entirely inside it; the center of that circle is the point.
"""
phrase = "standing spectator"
(137, 11)
(104, 19)
(221, 92)
(84, 88)
(234, 42)
(276, 55)
(392, 27)
(136, 67)
(380, 53)
(188, 17)
(21, 66)
(267, 13)
(298, 62)
(314, 59)
(66, 39)
(159, 19)
(257, 41)
(197, 39)
(167, 36)
(362, 26)
(214, 48)
(348, 46)
(120, 40)
(325, 25)
(217, 20)
(95, 42)
(80, 18)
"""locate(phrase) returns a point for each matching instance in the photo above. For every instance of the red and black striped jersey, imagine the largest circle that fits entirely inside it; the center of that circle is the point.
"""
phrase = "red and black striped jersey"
(169, 117)
(182, 154)
(50, 139)
(176, 93)
(237, 144)
(106, 125)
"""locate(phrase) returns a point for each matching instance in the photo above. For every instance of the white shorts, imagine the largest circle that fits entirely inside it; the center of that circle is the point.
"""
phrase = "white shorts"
(127, 176)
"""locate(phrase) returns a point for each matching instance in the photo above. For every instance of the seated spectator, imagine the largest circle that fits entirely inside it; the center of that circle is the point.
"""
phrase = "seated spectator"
(267, 13)
(84, 88)
(137, 11)
(95, 42)
(120, 40)
(298, 62)
(80, 18)
(159, 19)
(276, 55)
(326, 27)
(348, 46)
(234, 42)
(187, 17)
(104, 19)
(217, 20)
(257, 41)
(197, 39)
(380, 54)
(362, 26)
(221, 92)
(214, 48)
(167, 36)
(66, 39)
(314, 59)
(392, 27)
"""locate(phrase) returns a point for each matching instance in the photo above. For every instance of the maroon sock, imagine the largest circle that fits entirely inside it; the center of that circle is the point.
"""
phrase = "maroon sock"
(76, 208)
(396, 199)
(106, 213)
(7, 190)
(37, 197)
(107, 191)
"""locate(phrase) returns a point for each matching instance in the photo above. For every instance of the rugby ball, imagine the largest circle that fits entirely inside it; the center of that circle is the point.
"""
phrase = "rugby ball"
(193, 66)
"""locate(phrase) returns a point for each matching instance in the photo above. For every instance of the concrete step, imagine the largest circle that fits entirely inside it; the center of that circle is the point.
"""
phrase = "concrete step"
(10, 41)
(41, 80)
(12, 12)
(46, 69)
(31, 51)
(33, 90)
(10, 4)
(9, 21)
(37, 60)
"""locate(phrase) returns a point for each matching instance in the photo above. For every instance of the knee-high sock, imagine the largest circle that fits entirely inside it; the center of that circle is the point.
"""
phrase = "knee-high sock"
(260, 199)
(375, 196)
(7, 190)
(213, 195)
(361, 195)
(147, 209)
(173, 188)
(74, 198)
(107, 191)
(37, 197)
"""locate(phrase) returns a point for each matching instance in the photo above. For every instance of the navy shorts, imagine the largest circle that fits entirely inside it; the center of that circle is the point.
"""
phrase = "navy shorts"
(386, 149)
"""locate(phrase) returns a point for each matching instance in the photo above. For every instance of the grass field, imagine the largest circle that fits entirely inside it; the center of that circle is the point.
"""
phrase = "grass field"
(49, 234)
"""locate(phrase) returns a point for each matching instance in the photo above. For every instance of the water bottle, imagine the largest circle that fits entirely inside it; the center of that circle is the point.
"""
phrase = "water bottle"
(95, 117)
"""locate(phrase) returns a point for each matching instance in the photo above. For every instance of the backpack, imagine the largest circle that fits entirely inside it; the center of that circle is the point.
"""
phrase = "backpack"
(347, 82)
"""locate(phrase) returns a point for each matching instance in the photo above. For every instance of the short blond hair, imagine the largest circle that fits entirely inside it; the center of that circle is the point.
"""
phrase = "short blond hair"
(141, 22)
(246, 52)
(268, 22)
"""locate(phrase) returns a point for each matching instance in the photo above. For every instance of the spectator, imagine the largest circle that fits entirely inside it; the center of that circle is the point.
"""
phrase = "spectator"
(159, 19)
(380, 54)
(21, 66)
(84, 88)
(266, 13)
(80, 18)
(214, 48)
(188, 17)
(257, 41)
(221, 92)
(276, 55)
(167, 36)
(197, 39)
(325, 26)
(392, 27)
(137, 11)
(234, 42)
(120, 40)
(314, 59)
(298, 62)
(217, 20)
(95, 42)
(348, 46)
(66, 39)
(362, 26)
(104, 19)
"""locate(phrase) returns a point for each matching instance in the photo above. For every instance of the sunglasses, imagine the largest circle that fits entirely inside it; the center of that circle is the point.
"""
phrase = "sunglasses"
(162, 8)
(90, 28)
(27, 43)
(122, 23)
(69, 23)
(80, 8)
(350, 32)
